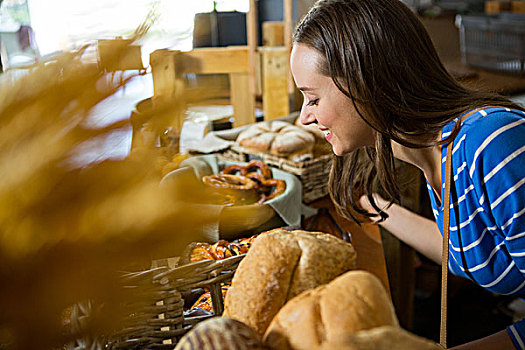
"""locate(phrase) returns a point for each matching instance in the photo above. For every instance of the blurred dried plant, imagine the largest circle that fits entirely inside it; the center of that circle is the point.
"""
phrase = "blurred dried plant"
(65, 231)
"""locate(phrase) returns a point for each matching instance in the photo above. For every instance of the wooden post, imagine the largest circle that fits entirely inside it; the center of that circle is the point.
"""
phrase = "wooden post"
(242, 99)
(273, 33)
(253, 42)
(288, 25)
(168, 68)
(168, 86)
(275, 82)
(163, 71)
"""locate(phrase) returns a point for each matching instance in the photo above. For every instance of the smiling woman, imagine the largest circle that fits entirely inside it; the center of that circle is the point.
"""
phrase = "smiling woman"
(374, 84)
(325, 105)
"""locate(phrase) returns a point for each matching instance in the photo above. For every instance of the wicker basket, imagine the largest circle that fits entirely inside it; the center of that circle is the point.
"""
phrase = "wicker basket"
(313, 174)
(156, 320)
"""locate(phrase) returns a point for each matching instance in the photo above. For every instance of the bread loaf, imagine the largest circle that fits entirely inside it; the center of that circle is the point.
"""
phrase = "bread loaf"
(352, 302)
(220, 333)
(381, 338)
(321, 146)
(280, 266)
(279, 138)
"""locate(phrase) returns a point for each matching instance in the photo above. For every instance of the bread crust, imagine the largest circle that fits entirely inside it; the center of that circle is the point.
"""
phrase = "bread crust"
(278, 138)
(352, 302)
(385, 337)
(280, 266)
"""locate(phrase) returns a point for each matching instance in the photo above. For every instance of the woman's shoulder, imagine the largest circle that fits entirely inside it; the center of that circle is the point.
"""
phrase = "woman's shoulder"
(493, 124)
(492, 118)
(492, 133)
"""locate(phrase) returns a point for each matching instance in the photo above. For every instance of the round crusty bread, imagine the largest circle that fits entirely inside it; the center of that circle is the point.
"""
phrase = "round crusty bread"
(277, 137)
(220, 333)
(280, 266)
(311, 128)
(352, 302)
(381, 338)
(321, 146)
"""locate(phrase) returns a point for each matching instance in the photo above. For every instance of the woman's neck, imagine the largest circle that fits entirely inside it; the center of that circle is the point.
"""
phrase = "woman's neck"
(427, 159)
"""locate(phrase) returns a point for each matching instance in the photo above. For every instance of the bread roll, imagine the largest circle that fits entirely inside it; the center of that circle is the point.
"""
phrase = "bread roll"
(280, 266)
(279, 138)
(321, 146)
(220, 333)
(311, 128)
(381, 338)
(352, 302)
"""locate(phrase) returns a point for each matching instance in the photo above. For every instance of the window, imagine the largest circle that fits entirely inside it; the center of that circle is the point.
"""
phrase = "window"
(66, 24)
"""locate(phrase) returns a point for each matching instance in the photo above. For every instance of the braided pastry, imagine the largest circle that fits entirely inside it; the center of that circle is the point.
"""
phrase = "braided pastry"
(280, 187)
(257, 164)
(227, 181)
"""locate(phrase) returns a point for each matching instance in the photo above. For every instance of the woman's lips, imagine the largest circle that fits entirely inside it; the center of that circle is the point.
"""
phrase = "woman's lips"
(327, 134)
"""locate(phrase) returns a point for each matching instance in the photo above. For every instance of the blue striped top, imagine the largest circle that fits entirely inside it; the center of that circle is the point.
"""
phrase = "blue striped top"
(488, 203)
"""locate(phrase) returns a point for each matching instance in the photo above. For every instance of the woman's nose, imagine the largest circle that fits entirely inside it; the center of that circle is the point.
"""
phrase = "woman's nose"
(306, 117)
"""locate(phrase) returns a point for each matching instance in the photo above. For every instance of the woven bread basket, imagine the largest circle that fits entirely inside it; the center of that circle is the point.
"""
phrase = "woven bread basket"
(156, 319)
(313, 173)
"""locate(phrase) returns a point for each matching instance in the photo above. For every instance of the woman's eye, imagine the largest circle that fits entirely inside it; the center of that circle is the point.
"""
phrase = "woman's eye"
(313, 102)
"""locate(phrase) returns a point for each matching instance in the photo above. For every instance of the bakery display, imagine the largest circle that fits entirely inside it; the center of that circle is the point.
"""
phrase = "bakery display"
(222, 249)
(280, 266)
(198, 301)
(245, 184)
(279, 138)
(221, 333)
(381, 338)
(350, 303)
(204, 302)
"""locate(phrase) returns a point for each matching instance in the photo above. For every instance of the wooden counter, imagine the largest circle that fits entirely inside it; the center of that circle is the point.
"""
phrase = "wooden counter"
(486, 80)
(366, 240)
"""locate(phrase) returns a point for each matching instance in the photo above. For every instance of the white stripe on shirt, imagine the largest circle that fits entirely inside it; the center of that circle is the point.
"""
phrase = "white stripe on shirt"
(497, 280)
(516, 289)
(507, 193)
(476, 242)
(460, 169)
(460, 199)
(514, 216)
(486, 262)
(517, 336)
(489, 140)
(517, 235)
(503, 163)
(466, 222)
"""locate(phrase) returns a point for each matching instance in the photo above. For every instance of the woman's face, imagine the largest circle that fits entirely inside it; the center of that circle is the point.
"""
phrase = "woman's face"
(326, 106)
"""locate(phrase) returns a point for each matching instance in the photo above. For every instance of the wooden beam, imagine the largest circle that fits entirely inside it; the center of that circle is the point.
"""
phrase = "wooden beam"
(242, 99)
(273, 33)
(163, 70)
(288, 26)
(253, 43)
(275, 82)
(168, 87)
(215, 60)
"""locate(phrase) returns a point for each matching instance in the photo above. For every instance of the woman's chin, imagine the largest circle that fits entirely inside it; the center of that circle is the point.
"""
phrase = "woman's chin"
(341, 151)
(337, 152)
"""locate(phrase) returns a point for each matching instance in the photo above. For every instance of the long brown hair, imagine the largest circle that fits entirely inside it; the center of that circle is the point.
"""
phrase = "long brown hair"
(380, 56)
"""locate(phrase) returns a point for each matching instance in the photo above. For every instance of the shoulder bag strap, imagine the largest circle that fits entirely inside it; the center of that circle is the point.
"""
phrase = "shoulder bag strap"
(446, 228)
